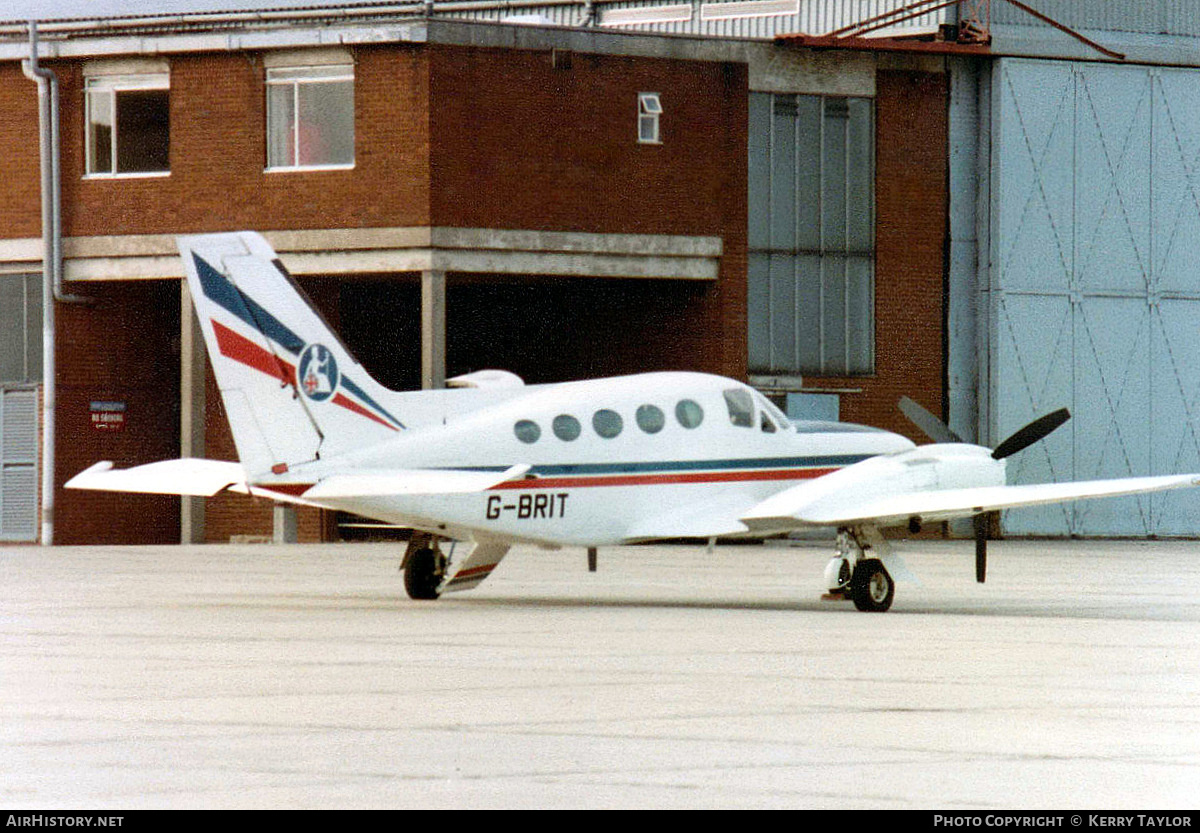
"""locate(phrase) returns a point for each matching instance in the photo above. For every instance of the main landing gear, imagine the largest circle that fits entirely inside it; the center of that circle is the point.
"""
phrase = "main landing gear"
(424, 567)
(855, 575)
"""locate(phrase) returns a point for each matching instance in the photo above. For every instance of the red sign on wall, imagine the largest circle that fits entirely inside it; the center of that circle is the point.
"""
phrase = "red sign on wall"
(108, 416)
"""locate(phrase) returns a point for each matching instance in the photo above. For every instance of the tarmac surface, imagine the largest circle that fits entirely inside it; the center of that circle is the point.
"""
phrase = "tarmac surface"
(262, 676)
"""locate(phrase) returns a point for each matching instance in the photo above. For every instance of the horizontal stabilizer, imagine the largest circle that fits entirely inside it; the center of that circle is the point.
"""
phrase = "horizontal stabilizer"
(411, 482)
(944, 504)
(189, 476)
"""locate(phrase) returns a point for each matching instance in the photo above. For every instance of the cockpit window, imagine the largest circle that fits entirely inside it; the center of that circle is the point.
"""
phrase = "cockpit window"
(527, 431)
(766, 424)
(741, 407)
(607, 423)
(772, 409)
(689, 413)
(650, 419)
(566, 427)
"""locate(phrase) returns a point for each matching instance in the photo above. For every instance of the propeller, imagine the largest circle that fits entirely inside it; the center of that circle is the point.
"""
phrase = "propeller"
(1031, 433)
(1019, 440)
(930, 425)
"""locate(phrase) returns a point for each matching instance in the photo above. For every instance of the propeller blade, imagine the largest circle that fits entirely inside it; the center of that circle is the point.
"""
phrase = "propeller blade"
(1031, 433)
(930, 425)
(981, 522)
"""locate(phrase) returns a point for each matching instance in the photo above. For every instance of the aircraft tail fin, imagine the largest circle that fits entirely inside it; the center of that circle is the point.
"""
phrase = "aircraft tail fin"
(291, 390)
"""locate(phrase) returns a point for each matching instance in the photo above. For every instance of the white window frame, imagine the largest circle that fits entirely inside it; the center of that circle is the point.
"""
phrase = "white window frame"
(650, 111)
(110, 86)
(297, 77)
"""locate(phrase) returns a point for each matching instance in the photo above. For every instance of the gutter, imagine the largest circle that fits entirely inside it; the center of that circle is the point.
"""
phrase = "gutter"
(52, 292)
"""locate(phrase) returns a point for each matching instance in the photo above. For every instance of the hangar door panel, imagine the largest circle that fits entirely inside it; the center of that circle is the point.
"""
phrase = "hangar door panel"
(1094, 289)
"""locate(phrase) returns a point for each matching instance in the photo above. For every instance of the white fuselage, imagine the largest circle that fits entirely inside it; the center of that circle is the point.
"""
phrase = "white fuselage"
(612, 460)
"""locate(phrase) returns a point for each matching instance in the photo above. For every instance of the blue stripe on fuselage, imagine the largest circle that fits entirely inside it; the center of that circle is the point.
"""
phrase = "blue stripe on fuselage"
(831, 462)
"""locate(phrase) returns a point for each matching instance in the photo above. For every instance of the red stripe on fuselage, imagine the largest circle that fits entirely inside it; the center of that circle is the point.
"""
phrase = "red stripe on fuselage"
(241, 349)
(618, 480)
(661, 479)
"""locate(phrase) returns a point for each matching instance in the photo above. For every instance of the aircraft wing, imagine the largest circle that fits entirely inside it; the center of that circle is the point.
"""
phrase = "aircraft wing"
(710, 518)
(791, 509)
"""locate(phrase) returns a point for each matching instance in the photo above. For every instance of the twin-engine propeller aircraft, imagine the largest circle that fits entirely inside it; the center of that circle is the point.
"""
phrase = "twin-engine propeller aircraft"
(493, 462)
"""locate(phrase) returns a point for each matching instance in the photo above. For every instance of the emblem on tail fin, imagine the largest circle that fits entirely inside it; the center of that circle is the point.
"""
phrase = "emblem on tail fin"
(318, 372)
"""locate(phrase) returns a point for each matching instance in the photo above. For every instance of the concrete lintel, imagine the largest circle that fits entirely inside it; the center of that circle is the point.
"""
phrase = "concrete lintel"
(402, 249)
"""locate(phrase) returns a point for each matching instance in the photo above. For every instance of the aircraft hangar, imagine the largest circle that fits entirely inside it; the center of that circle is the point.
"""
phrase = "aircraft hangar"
(988, 206)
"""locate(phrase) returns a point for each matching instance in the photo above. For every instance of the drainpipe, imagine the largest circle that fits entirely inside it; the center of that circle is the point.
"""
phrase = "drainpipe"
(52, 277)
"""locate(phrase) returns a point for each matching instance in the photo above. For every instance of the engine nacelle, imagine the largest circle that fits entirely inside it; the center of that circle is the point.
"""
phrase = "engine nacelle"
(927, 468)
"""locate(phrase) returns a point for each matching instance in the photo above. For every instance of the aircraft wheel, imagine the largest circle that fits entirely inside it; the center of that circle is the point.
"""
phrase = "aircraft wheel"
(872, 587)
(423, 574)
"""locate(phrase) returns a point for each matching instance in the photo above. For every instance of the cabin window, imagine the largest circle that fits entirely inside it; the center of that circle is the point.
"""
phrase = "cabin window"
(128, 125)
(566, 427)
(527, 431)
(607, 423)
(650, 419)
(741, 407)
(310, 117)
(689, 413)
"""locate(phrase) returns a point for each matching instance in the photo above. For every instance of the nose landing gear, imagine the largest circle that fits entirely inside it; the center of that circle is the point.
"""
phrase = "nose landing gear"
(851, 574)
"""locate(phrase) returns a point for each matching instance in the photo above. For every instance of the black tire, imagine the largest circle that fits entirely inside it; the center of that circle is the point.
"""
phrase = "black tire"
(872, 587)
(423, 574)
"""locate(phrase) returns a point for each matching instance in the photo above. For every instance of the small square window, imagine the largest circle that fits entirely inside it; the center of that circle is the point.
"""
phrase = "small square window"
(649, 111)
(310, 117)
(128, 125)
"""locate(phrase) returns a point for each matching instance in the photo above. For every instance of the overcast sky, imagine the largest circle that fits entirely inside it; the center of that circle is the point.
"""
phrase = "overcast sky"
(54, 9)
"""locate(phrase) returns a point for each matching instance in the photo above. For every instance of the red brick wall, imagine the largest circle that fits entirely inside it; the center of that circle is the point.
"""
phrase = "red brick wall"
(123, 346)
(520, 144)
(218, 154)
(910, 241)
(20, 180)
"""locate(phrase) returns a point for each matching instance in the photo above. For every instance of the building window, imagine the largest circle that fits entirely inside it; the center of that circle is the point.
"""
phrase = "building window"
(649, 111)
(20, 328)
(128, 125)
(310, 117)
(812, 235)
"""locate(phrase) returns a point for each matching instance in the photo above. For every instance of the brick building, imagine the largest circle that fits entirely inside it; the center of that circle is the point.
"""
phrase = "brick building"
(562, 202)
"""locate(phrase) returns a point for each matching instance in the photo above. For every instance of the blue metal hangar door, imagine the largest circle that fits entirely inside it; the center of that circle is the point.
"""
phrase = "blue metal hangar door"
(1093, 294)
